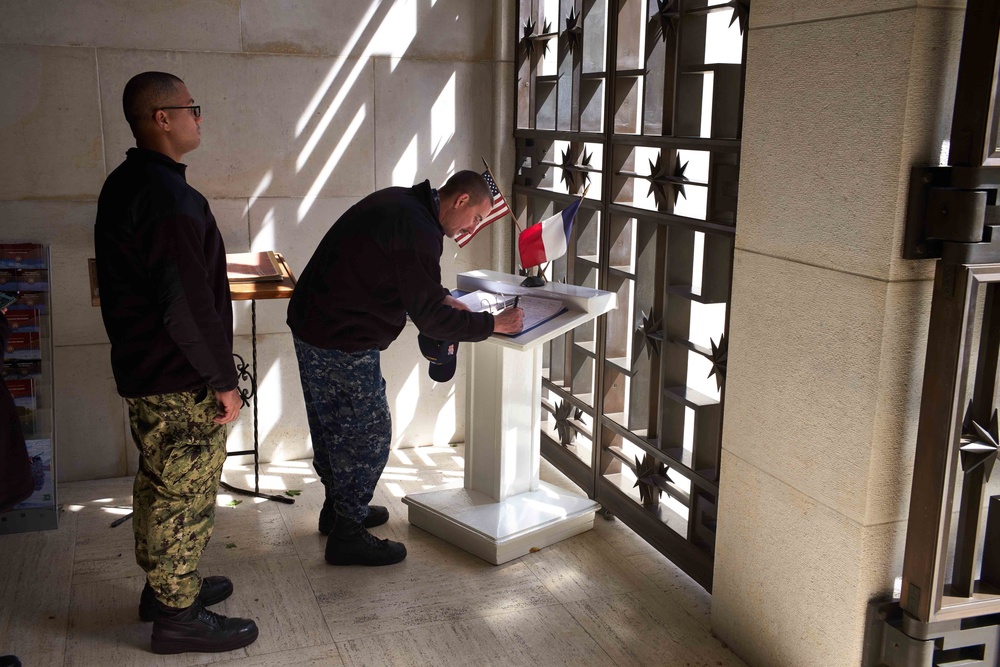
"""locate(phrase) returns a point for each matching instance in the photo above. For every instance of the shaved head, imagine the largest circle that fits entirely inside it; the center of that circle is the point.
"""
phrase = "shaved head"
(467, 182)
(144, 94)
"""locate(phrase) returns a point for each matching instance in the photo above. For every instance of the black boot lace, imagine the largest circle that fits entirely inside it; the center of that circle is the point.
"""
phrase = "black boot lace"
(210, 618)
(373, 541)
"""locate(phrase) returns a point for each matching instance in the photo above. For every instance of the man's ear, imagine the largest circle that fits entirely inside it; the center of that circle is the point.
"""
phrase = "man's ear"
(461, 200)
(161, 120)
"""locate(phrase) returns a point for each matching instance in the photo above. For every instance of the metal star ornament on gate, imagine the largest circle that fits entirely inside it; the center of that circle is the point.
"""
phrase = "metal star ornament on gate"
(529, 38)
(668, 16)
(566, 429)
(574, 31)
(652, 472)
(650, 335)
(659, 181)
(719, 359)
(741, 12)
(980, 447)
(572, 174)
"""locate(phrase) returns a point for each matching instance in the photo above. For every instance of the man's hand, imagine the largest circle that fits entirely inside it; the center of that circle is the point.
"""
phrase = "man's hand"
(449, 300)
(230, 403)
(509, 321)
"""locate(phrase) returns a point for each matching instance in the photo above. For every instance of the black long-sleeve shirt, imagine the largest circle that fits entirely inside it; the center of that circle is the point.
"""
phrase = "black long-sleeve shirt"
(161, 269)
(379, 262)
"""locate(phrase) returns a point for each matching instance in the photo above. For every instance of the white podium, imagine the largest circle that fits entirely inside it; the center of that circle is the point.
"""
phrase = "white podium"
(504, 511)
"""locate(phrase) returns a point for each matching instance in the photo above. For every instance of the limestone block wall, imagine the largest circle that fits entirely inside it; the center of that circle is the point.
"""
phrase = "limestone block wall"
(308, 106)
(828, 323)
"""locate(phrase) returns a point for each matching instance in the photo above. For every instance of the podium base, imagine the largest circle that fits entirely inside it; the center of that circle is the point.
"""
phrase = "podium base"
(501, 531)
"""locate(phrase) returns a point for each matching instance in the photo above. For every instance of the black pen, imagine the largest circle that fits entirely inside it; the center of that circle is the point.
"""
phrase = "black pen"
(516, 299)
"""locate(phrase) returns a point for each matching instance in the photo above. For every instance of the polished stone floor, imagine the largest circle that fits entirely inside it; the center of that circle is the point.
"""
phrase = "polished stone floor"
(69, 597)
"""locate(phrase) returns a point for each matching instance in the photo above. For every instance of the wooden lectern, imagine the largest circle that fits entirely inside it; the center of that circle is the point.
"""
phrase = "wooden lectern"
(504, 511)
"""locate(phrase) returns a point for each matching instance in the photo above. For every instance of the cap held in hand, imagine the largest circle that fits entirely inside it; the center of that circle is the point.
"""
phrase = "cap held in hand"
(443, 356)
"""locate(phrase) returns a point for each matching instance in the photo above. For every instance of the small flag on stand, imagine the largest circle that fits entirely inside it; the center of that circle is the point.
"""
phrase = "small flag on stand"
(499, 210)
(548, 239)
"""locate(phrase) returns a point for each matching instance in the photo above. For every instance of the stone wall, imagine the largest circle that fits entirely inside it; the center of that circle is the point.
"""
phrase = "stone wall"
(828, 323)
(308, 106)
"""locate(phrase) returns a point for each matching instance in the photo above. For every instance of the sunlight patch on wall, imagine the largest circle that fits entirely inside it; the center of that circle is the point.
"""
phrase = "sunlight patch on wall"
(406, 401)
(324, 87)
(445, 426)
(327, 171)
(405, 171)
(331, 111)
(398, 30)
(264, 239)
(259, 190)
(269, 394)
(443, 117)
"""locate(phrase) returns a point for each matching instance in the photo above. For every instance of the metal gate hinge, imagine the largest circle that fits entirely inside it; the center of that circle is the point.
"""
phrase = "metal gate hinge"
(952, 213)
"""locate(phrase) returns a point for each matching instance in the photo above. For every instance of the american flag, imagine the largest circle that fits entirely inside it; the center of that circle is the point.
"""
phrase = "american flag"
(499, 210)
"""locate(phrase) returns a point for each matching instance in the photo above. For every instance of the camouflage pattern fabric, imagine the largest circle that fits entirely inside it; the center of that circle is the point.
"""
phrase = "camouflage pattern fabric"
(182, 452)
(349, 422)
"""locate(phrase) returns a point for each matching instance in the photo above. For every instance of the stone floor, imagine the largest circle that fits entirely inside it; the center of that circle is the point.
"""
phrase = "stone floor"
(69, 597)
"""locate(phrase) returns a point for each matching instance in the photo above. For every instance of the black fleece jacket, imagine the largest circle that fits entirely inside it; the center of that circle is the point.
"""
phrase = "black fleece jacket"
(161, 269)
(379, 262)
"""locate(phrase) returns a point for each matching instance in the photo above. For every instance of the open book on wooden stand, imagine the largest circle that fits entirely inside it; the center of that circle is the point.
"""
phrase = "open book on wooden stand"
(252, 267)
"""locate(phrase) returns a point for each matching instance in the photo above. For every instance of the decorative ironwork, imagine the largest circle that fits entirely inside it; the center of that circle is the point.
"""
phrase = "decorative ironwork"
(659, 181)
(953, 215)
(575, 177)
(618, 94)
(574, 30)
(244, 375)
(741, 12)
(529, 38)
(979, 446)
(719, 359)
(652, 478)
(668, 16)
(564, 413)
(650, 335)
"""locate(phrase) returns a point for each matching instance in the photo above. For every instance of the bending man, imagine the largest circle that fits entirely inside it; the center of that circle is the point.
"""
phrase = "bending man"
(379, 262)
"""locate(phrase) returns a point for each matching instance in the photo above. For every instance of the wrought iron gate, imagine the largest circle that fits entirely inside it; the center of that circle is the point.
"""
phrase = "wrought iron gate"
(949, 612)
(639, 104)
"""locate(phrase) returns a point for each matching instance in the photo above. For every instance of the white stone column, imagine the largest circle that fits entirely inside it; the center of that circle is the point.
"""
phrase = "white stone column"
(828, 323)
(504, 53)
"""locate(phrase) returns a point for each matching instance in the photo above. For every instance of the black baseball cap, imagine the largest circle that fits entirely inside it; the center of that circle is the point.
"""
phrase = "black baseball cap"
(443, 356)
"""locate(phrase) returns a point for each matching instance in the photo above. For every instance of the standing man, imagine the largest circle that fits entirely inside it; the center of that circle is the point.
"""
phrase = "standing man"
(380, 262)
(161, 268)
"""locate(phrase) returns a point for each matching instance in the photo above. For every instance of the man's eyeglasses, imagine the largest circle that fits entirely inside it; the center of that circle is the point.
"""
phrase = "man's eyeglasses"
(196, 110)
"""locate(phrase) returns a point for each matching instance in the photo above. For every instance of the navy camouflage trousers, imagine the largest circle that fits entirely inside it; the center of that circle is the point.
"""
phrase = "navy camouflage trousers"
(181, 455)
(349, 422)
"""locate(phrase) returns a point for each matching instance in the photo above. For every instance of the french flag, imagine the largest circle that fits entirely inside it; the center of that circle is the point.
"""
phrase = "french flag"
(548, 239)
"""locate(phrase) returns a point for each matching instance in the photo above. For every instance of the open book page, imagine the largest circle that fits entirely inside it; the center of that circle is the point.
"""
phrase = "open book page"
(252, 266)
(481, 301)
(536, 309)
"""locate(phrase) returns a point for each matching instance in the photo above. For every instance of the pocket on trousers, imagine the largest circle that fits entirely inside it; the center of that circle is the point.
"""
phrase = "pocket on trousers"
(197, 448)
(192, 469)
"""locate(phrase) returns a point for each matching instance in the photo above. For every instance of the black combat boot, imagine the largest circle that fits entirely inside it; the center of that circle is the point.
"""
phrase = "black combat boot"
(377, 515)
(213, 591)
(350, 543)
(196, 629)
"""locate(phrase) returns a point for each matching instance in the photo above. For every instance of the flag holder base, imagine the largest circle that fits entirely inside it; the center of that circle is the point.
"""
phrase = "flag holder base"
(533, 281)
